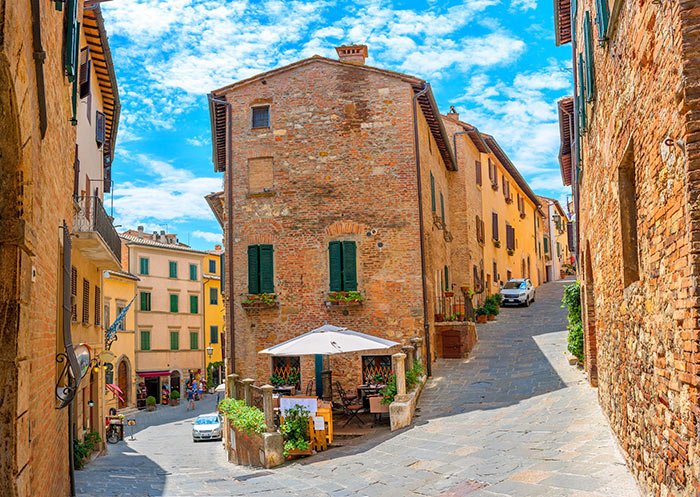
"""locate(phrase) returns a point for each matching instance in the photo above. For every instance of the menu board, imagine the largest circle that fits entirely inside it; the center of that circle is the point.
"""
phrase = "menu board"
(308, 403)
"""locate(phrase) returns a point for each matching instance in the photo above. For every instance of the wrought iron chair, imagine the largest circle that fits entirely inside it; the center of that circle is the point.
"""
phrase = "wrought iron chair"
(351, 408)
(310, 388)
(342, 394)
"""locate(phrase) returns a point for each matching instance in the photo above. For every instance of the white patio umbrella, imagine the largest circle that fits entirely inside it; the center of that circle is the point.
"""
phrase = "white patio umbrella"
(220, 388)
(328, 340)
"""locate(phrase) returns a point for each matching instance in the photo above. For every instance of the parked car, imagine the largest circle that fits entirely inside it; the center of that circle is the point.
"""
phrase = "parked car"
(207, 427)
(519, 291)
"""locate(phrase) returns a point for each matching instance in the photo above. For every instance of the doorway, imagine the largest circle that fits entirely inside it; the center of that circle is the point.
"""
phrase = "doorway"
(174, 381)
(122, 383)
(451, 347)
(153, 388)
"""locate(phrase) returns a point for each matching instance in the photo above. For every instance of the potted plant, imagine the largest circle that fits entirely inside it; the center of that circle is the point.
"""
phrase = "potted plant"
(449, 293)
(439, 318)
(497, 243)
(295, 430)
(510, 252)
(175, 398)
(509, 200)
(150, 403)
(522, 215)
(481, 314)
(491, 306)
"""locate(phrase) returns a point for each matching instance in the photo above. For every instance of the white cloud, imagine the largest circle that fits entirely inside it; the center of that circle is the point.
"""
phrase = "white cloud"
(208, 236)
(199, 141)
(523, 4)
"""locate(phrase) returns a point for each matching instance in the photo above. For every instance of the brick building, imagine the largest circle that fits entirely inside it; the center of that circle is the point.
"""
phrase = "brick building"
(630, 150)
(322, 160)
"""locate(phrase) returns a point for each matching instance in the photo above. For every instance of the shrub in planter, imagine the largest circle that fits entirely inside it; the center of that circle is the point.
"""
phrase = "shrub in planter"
(498, 298)
(244, 418)
(491, 305)
(150, 402)
(174, 397)
(389, 391)
(295, 431)
(572, 300)
(481, 314)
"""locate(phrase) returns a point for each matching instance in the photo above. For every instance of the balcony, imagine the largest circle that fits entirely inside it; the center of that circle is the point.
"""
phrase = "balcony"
(94, 234)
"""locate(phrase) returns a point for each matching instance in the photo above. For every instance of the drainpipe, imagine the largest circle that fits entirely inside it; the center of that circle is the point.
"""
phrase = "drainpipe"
(426, 322)
(39, 58)
(229, 228)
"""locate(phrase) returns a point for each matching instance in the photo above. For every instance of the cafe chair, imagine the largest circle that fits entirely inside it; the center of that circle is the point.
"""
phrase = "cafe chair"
(350, 409)
(342, 394)
(310, 388)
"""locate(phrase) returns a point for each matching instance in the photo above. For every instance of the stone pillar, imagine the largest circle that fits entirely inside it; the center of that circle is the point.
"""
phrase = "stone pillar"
(268, 408)
(418, 345)
(398, 362)
(231, 385)
(247, 390)
(408, 350)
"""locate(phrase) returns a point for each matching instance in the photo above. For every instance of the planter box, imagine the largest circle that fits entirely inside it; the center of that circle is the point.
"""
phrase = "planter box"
(298, 452)
(259, 305)
(260, 450)
(174, 402)
(482, 318)
(401, 411)
(491, 317)
(150, 407)
(344, 303)
(454, 339)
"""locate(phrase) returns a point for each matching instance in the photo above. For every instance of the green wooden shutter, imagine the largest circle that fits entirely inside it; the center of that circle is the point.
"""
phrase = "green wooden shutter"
(253, 269)
(194, 307)
(442, 208)
(194, 340)
(144, 301)
(143, 265)
(174, 340)
(588, 47)
(173, 269)
(223, 274)
(573, 18)
(145, 340)
(267, 280)
(71, 40)
(173, 303)
(349, 267)
(580, 98)
(432, 191)
(602, 19)
(447, 278)
(193, 272)
(335, 266)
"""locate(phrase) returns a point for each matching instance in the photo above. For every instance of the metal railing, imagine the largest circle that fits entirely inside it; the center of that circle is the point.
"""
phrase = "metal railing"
(454, 306)
(92, 216)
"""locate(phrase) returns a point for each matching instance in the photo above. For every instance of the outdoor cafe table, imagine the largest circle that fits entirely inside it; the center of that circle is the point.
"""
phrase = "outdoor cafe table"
(367, 390)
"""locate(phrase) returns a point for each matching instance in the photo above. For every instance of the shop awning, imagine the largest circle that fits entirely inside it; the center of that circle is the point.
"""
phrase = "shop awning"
(152, 374)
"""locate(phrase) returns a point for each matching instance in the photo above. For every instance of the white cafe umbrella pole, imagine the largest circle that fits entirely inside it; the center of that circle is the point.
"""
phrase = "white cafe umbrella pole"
(328, 340)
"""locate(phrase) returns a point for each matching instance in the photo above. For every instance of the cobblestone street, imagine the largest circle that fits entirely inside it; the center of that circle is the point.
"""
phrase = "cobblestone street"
(514, 420)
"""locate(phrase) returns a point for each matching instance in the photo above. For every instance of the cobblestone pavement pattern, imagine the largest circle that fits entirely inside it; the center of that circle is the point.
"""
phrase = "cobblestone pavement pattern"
(514, 420)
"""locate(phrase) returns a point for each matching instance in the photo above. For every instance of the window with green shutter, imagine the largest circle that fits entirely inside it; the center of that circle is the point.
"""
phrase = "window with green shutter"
(447, 278)
(71, 39)
(145, 301)
(212, 266)
(580, 98)
(213, 295)
(342, 257)
(173, 302)
(602, 19)
(173, 269)
(193, 272)
(143, 265)
(260, 269)
(174, 340)
(573, 18)
(442, 209)
(213, 334)
(432, 191)
(194, 307)
(145, 340)
(588, 48)
(194, 340)
(223, 274)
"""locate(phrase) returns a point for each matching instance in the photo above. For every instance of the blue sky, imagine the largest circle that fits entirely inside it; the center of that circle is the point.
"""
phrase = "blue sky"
(494, 60)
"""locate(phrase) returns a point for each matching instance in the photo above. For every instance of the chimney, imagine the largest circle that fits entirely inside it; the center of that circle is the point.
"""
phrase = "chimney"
(354, 54)
(217, 247)
(453, 113)
(140, 231)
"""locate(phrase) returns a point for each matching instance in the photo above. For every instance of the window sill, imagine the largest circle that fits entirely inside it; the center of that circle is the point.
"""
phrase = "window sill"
(260, 128)
(261, 194)
(253, 302)
(343, 301)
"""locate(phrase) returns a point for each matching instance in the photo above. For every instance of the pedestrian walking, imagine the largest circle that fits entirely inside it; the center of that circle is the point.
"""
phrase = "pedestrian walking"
(190, 399)
(200, 385)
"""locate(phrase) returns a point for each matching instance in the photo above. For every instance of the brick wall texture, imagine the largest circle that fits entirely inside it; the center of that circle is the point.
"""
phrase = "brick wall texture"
(35, 197)
(642, 337)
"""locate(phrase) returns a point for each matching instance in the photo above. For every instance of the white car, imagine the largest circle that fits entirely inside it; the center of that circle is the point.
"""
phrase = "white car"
(518, 291)
(207, 427)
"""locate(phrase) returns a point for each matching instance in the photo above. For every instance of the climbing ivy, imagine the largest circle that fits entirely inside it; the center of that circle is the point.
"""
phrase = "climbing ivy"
(572, 301)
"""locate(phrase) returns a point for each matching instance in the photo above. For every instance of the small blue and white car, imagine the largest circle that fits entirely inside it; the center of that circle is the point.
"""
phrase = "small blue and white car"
(518, 292)
(207, 427)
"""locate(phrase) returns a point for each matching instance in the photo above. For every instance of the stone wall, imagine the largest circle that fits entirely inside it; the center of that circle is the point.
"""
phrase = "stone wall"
(35, 197)
(645, 331)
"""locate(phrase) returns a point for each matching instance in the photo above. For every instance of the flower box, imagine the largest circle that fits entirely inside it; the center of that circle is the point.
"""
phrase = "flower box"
(481, 318)
(449, 294)
(497, 243)
(522, 215)
(511, 252)
(344, 299)
(494, 186)
(491, 317)
(262, 301)
(509, 200)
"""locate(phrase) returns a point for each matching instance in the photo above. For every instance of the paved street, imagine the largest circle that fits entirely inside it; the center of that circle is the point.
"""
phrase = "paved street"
(514, 420)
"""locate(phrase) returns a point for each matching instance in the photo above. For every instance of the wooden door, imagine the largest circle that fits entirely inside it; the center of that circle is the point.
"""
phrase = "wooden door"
(450, 345)
(123, 383)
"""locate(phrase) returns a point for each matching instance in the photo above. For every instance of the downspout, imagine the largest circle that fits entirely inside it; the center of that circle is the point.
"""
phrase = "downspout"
(426, 322)
(229, 228)
(39, 58)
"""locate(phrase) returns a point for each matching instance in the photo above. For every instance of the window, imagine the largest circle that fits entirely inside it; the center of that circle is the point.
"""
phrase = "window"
(98, 305)
(580, 99)
(109, 374)
(143, 265)
(546, 245)
(374, 366)
(223, 272)
(213, 295)
(432, 192)
(86, 301)
(145, 301)
(194, 340)
(100, 128)
(106, 315)
(588, 48)
(261, 117)
(602, 19)
(508, 275)
(74, 293)
(260, 175)
(493, 174)
(84, 74)
(260, 269)
(342, 266)
(193, 272)
(479, 230)
(71, 39)
(120, 309)
(173, 302)
(213, 334)
(446, 274)
(627, 189)
(145, 340)
(173, 269)
(495, 273)
(286, 366)
(478, 173)
(558, 249)
(194, 305)
(212, 266)
(442, 209)
(174, 340)
(510, 237)
(494, 226)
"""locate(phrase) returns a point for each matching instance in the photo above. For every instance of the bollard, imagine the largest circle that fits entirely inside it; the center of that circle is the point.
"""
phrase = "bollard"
(398, 365)
(408, 350)
(248, 394)
(268, 408)
(231, 385)
(418, 352)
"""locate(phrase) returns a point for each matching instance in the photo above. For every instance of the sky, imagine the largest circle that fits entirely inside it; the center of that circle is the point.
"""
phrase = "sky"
(494, 60)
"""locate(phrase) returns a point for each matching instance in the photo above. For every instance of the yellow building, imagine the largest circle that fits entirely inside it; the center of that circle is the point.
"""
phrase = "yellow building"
(509, 222)
(214, 315)
(95, 243)
(119, 291)
(555, 239)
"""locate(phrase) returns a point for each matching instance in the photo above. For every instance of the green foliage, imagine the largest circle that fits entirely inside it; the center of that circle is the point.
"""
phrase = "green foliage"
(491, 304)
(498, 298)
(572, 301)
(351, 296)
(244, 418)
(265, 298)
(413, 376)
(150, 400)
(175, 394)
(389, 391)
(82, 450)
(295, 429)
(279, 380)
(481, 311)
(210, 373)
(276, 380)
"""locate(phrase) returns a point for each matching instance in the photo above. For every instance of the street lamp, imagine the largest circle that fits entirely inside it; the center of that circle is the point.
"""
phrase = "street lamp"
(210, 352)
